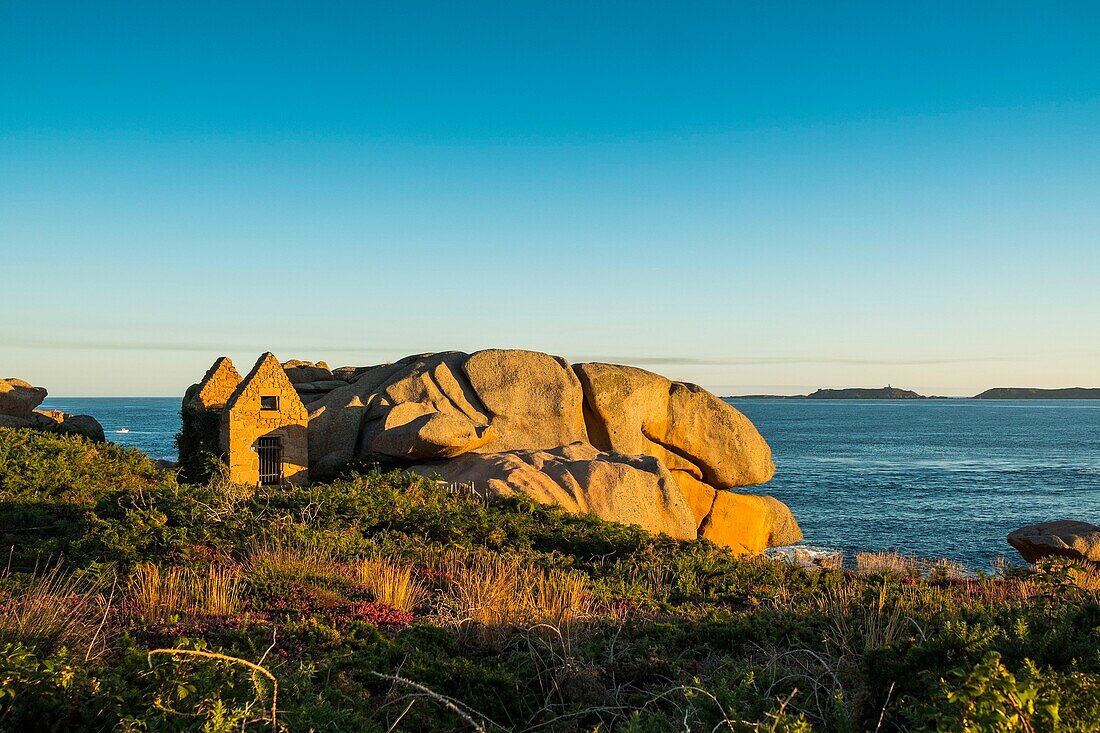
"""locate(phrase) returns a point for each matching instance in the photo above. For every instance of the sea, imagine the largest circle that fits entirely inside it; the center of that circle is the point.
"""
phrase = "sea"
(929, 478)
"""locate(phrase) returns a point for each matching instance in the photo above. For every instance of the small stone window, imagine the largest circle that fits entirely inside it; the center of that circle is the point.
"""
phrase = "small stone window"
(269, 402)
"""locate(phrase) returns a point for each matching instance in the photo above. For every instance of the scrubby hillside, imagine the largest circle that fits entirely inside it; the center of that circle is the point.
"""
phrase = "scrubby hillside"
(387, 602)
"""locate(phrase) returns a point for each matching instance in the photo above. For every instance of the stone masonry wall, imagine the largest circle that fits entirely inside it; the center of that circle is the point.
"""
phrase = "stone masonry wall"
(215, 389)
(244, 423)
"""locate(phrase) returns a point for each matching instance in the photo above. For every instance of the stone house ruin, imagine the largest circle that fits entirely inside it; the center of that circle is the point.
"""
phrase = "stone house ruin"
(255, 424)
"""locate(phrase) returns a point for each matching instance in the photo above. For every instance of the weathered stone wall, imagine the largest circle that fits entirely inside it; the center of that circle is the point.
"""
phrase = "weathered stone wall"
(215, 389)
(244, 423)
(199, 439)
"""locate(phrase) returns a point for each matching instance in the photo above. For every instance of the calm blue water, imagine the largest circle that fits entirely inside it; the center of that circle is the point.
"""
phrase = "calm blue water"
(938, 478)
(934, 478)
(152, 421)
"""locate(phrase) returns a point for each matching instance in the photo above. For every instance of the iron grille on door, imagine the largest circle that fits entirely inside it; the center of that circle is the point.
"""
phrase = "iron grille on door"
(270, 451)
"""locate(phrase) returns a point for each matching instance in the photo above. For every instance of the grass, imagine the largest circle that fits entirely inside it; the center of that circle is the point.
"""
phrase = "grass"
(53, 611)
(163, 595)
(492, 594)
(381, 601)
(394, 585)
(561, 599)
(1086, 577)
(282, 558)
(891, 563)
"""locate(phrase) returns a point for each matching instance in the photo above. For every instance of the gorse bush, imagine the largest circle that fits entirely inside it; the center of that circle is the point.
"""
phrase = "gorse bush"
(385, 601)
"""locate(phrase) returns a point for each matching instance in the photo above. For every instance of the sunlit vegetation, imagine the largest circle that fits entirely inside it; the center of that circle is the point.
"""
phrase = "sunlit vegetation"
(383, 601)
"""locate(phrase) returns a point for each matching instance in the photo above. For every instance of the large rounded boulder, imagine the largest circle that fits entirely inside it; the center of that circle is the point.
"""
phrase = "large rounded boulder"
(1064, 538)
(690, 430)
(19, 398)
(522, 421)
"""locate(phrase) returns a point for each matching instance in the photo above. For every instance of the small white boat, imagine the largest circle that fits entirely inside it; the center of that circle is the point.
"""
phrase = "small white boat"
(123, 430)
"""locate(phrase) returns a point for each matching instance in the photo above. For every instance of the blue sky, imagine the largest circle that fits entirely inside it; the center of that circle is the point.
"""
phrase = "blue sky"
(759, 196)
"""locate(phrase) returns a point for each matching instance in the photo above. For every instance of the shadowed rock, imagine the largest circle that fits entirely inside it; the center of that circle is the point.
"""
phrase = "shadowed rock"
(1064, 537)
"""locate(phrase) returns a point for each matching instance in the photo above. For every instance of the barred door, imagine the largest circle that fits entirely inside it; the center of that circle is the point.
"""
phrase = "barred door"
(270, 451)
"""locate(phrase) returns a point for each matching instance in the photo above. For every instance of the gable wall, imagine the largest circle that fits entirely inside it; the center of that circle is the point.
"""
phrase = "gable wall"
(217, 386)
(243, 423)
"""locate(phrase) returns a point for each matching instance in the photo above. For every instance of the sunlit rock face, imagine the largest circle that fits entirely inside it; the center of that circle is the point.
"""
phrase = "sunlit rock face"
(1064, 537)
(583, 436)
(18, 403)
(19, 398)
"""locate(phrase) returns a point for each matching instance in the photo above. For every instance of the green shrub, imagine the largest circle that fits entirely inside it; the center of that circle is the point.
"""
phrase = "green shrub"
(674, 635)
(199, 445)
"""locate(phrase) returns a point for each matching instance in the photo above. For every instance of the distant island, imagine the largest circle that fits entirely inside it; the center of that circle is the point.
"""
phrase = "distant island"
(894, 393)
(852, 393)
(1031, 393)
(858, 393)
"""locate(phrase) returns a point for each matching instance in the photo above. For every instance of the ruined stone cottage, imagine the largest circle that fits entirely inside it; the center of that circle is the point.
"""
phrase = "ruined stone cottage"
(255, 425)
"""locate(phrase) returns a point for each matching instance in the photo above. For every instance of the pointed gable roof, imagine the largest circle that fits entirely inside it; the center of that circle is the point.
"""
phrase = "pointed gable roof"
(269, 373)
(215, 389)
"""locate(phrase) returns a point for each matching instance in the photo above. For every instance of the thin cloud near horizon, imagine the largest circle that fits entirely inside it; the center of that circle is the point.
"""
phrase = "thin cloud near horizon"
(108, 345)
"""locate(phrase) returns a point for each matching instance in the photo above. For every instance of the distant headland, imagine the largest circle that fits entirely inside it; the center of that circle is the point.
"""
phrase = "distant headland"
(895, 393)
(852, 393)
(1031, 393)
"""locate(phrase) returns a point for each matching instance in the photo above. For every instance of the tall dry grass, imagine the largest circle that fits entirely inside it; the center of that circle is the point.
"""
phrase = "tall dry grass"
(858, 626)
(991, 592)
(280, 558)
(157, 594)
(561, 598)
(162, 595)
(217, 592)
(1086, 577)
(492, 593)
(55, 610)
(944, 569)
(394, 585)
(890, 563)
(904, 566)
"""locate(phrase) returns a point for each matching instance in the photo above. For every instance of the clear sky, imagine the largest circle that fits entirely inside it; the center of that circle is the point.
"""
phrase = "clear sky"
(755, 196)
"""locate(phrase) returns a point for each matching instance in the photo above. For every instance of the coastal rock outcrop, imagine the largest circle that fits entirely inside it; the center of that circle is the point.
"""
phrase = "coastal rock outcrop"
(18, 400)
(749, 523)
(696, 435)
(298, 371)
(513, 421)
(1065, 537)
(634, 490)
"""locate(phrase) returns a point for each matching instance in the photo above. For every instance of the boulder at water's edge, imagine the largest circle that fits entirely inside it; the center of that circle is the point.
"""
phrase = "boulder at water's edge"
(18, 400)
(1064, 537)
